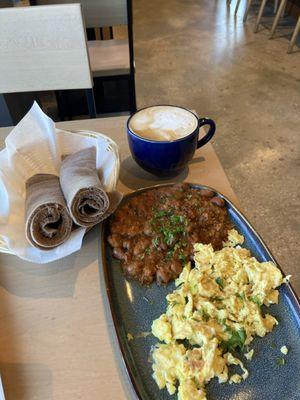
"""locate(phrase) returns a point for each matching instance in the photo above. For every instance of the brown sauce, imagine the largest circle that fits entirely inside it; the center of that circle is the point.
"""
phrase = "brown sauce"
(153, 233)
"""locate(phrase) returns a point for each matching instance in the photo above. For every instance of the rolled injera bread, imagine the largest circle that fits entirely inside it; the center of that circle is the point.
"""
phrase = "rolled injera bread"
(47, 220)
(84, 193)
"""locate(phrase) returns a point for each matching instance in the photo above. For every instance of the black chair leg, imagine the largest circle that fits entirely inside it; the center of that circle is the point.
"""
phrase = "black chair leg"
(60, 110)
(132, 97)
(91, 103)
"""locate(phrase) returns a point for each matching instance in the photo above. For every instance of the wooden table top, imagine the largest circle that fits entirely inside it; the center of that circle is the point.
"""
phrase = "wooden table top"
(56, 337)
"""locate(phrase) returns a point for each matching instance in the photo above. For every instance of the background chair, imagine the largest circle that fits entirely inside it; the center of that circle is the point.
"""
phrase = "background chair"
(260, 13)
(294, 36)
(279, 10)
(110, 59)
(279, 13)
(44, 48)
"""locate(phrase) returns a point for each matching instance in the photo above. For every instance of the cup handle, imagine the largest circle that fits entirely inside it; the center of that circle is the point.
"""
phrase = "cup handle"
(210, 133)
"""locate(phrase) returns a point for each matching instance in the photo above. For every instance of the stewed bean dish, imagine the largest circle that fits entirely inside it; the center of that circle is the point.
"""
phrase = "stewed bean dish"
(154, 232)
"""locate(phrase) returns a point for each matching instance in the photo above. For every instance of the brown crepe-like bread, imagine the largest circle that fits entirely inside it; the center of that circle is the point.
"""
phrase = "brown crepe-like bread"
(81, 186)
(47, 220)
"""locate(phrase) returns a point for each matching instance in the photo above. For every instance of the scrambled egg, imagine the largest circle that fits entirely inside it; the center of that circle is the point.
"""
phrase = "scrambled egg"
(215, 309)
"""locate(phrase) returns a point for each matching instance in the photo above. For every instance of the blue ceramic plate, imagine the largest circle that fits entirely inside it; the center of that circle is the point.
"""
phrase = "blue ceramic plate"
(134, 307)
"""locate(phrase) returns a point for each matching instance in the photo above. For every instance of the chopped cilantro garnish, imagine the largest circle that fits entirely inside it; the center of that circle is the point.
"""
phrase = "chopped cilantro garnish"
(160, 214)
(204, 315)
(182, 258)
(217, 298)
(177, 219)
(170, 227)
(236, 340)
(241, 295)
(168, 236)
(255, 299)
(155, 242)
(147, 251)
(169, 254)
(220, 282)
(280, 361)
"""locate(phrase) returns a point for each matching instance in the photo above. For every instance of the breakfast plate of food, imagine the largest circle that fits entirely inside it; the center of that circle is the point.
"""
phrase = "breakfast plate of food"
(200, 307)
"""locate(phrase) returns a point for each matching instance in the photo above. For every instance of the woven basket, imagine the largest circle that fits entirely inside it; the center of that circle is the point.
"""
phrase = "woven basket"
(111, 146)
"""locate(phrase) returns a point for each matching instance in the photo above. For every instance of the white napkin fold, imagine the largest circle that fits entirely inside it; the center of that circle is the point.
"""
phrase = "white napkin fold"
(36, 146)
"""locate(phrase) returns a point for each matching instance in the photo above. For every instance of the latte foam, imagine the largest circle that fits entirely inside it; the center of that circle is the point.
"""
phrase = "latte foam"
(163, 123)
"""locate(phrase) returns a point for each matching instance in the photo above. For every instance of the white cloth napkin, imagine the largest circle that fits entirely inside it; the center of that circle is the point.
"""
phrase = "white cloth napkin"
(36, 146)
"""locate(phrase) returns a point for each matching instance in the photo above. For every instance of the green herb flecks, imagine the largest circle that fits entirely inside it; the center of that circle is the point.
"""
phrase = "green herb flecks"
(160, 214)
(216, 298)
(255, 300)
(204, 315)
(182, 258)
(168, 236)
(236, 340)
(222, 321)
(241, 295)
(220, 282)
(178, 219)
(280, 361)
(169, 225)
(155, 242)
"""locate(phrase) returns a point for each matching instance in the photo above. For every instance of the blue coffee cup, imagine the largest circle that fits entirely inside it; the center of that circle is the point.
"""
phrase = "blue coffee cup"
(167, 158)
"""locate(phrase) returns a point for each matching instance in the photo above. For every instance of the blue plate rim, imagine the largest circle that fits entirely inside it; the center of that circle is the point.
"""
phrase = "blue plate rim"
(292, 294)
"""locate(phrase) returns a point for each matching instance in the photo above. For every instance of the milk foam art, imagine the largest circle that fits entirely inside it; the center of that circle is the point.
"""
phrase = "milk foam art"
(163, 123)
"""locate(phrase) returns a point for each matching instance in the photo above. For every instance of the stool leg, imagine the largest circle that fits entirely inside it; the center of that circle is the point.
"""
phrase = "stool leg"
(237, 7)
(277, 17)
(260, 13)
(275, 6)
(247, 10)
(294, 37)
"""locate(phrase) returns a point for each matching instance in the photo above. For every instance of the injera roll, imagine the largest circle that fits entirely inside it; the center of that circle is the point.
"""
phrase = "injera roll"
(47, 220)
(85, 196)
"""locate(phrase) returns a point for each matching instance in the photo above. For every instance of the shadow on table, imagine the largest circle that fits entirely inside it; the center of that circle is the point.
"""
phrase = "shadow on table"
(26, 279)
(134, 177)
(18, 382)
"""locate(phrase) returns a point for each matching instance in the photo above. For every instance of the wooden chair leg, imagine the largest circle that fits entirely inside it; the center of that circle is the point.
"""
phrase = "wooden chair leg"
(237, 6)
(247, 10)
(91, 103)
(294, 36)
(277, 17)
(260, 14)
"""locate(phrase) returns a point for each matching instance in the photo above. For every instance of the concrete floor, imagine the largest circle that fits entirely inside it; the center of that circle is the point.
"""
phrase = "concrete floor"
(194, 53)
